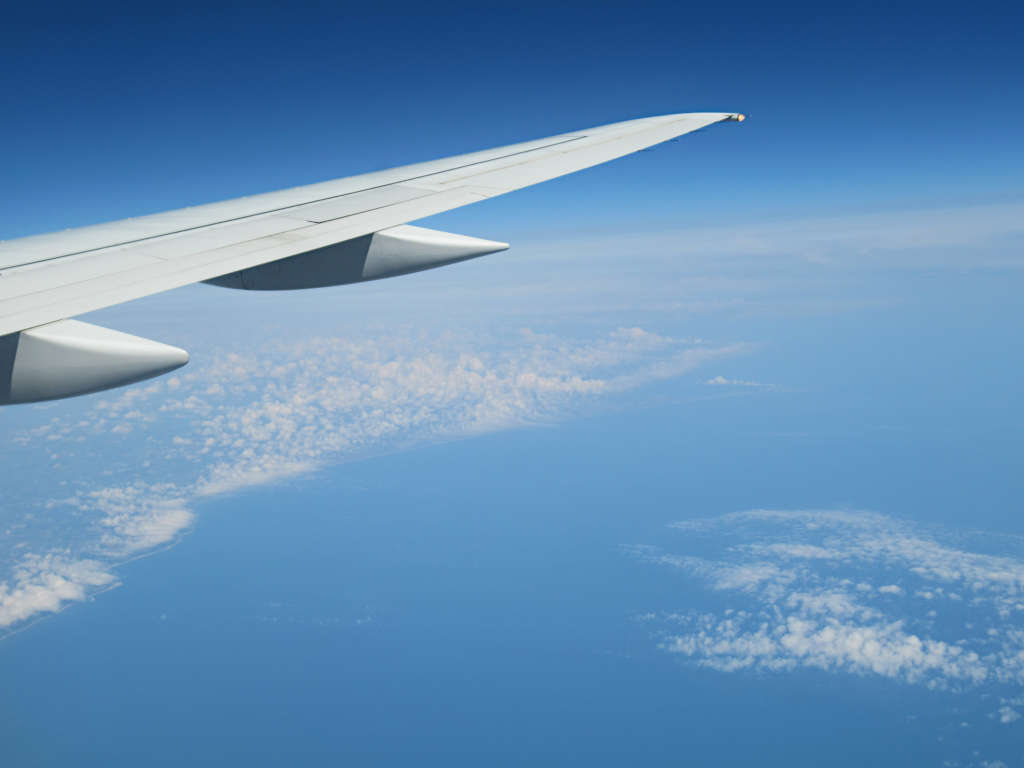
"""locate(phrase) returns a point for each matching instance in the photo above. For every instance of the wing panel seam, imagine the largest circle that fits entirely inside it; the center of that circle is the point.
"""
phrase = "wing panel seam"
(288, 207)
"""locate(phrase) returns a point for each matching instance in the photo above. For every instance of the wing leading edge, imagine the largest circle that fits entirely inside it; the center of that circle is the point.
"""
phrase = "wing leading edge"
(48, 278)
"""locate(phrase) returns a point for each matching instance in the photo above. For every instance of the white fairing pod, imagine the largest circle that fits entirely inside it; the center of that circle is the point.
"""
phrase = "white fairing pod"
(69, 358)
(388, 253)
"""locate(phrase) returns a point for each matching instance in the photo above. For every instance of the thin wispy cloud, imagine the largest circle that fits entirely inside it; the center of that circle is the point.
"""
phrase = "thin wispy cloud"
(721, 381)
(967, 236)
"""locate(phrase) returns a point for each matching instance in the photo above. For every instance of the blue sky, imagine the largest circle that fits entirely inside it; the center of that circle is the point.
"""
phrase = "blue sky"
(116, 110)
(527, 494)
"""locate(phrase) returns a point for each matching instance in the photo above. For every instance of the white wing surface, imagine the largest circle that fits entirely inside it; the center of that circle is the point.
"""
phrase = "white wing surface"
(357, 220)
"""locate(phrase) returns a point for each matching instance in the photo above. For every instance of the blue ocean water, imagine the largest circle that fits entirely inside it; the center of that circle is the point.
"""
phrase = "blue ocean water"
(477, 601)
(466, 602)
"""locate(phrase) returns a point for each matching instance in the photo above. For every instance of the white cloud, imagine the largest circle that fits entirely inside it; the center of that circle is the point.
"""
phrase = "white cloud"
(134, 518)
(1007, 715)
(721, 381)
(285, 409)
(815, 588)
(44, 583)
(746, 641)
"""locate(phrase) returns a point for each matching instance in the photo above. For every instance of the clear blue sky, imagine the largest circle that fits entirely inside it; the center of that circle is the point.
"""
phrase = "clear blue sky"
(116, 110)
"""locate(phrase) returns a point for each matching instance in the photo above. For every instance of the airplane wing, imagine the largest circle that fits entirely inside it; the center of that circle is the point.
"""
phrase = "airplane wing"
(331, 233)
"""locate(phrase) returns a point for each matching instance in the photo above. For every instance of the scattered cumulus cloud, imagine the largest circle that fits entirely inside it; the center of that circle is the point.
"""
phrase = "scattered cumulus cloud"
(1007, 715)
(283, 410)
(847, 592)
(43, 583)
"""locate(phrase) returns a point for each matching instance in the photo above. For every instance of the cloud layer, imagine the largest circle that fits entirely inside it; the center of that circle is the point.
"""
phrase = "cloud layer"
(849, 592)
(283, 410)
(968, 236)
